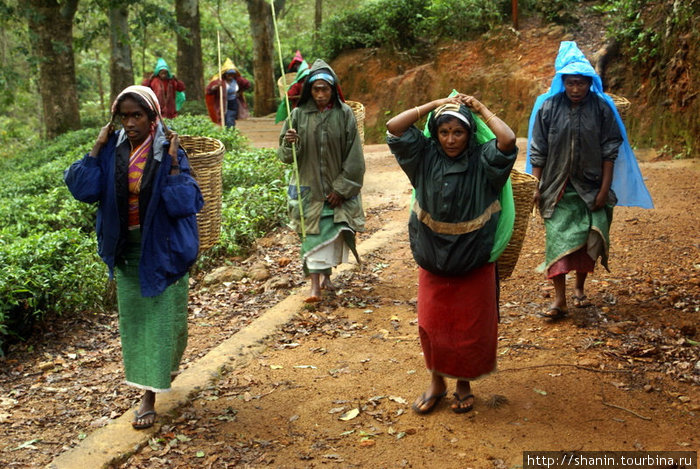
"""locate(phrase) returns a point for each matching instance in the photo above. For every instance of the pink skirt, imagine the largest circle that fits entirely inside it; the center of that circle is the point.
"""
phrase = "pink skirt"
(578, 260)
(458, 322)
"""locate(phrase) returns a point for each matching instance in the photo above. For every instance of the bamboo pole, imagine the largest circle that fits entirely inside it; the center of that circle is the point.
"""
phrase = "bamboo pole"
(289, 118)
(221, 80)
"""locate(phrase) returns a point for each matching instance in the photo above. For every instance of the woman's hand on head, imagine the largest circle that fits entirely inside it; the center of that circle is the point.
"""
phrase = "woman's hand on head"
(104, 134)
(472, 103)
(174, 140)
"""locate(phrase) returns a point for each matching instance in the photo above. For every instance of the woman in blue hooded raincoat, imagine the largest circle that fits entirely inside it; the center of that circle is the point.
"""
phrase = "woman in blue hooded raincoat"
(578, 149)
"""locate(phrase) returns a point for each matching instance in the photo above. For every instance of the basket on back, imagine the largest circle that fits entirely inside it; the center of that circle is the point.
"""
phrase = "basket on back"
(289, 79)
(523, 187)
(621, 103)
(205, 156)
(359, 110)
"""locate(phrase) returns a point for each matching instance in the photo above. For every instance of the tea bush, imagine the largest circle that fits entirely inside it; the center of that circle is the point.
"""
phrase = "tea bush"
(409, 25)
(48, 248)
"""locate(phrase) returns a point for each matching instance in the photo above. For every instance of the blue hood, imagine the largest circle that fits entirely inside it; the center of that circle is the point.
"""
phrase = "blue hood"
(627, 183)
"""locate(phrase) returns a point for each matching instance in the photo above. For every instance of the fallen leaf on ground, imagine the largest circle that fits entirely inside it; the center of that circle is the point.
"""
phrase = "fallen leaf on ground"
(350, 414)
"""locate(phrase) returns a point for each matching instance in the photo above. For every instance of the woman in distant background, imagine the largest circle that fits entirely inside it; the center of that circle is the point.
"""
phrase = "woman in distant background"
(452, 228)
(147, 235)
(166, 87)
(229, 82)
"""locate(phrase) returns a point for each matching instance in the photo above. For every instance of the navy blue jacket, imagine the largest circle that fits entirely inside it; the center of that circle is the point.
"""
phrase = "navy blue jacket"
(167, 204)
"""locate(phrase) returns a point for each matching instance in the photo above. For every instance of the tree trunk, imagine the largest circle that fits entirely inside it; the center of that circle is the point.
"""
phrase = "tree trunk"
(51, 25)
(189, 49)
(263, 51)
(318, 19)
(121, 69)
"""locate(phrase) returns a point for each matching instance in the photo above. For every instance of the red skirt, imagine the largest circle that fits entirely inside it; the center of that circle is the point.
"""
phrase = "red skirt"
(458, 322)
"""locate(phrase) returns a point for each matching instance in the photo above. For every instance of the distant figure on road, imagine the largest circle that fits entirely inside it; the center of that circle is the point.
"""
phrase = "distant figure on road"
(296, 62)
(169, 90)
(293, 92)
(229, 82)
(331, 172)
(452, 230)
(575, 138)
(147, 236)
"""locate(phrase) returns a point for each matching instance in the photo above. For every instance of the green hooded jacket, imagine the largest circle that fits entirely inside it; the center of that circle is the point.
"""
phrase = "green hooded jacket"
(329, 157)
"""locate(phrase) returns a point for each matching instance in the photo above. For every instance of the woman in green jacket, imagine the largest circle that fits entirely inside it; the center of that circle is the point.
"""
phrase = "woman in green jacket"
(331, 164)
(452, 226)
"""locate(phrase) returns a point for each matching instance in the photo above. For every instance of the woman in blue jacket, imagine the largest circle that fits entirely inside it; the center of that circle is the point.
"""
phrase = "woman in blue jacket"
(147, 235)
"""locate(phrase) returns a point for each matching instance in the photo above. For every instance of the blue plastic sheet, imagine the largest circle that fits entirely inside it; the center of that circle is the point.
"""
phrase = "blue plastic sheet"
(627, 183)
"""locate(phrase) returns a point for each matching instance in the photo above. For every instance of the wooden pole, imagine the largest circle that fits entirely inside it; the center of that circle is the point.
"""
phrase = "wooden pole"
(514, 5)
(291, 125)
(221, 81)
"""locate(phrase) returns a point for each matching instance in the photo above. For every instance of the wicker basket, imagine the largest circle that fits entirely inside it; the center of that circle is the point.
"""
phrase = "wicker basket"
(359, 110)
(621, 103)
(523, 188)
(289, 78)
(205, 156)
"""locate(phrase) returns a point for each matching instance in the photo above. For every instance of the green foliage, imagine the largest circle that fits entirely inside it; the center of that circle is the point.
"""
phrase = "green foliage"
(408, 25)
(627, 27)
(48, 250)
(462, 19)
(202, 126)
(249, 212)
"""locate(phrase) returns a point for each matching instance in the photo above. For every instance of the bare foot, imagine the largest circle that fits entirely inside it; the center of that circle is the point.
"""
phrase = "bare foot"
(326, 283)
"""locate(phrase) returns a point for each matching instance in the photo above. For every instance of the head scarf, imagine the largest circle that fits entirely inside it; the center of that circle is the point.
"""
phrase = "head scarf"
(227, 67)
(460, 112)
(627, 182)
(162, 65)
(297, 59)
(452, 110)
(322, 70)
(145, 96)
(322, 76)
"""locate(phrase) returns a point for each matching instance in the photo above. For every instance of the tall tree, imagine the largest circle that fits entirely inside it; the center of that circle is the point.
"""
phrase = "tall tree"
(318, 18)
(51, 26)
(190, 68)
(263, 52)
(121, 69)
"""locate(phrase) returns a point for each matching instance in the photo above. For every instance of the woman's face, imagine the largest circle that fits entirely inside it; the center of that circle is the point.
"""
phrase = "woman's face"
(576, 87)
(321, 93)
(453, 137)
(135, 121)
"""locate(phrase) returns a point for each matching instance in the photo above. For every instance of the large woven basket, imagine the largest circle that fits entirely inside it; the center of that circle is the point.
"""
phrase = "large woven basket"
(289, 78)
(359, 110)
(621, 103)
(523, 187)
(205, 156)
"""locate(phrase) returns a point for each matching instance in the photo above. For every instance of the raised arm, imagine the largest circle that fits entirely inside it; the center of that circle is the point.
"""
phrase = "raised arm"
(398, 124)
(505, 137)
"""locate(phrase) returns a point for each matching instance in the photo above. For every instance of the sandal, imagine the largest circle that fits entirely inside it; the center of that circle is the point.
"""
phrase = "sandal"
(460, 400)
(581, 301)
(424, 399)
(554, 313)
(140, 417)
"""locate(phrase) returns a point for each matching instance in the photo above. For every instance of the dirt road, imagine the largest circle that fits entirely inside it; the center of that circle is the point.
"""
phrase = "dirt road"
(334, 387)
